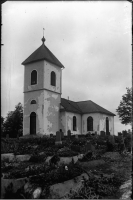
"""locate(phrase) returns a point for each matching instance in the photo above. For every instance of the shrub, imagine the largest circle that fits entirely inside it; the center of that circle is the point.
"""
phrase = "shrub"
(35, 158)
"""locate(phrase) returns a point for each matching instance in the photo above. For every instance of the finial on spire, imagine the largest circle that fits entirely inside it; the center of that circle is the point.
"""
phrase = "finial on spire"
(43, 39)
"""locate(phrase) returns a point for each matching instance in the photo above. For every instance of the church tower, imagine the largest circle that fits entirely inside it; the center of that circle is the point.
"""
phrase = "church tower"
(42, 92)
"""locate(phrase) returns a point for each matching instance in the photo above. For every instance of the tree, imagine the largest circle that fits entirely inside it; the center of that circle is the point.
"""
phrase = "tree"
(14, 121)
(2, 126)
(125, 108)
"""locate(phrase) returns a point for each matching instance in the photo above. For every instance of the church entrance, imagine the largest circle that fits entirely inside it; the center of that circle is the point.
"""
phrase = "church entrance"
(107, 126)
(33, 123)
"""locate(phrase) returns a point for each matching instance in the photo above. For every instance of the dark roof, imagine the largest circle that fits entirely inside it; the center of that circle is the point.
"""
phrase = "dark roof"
(69, 106)
(83, 107)
(42, 53)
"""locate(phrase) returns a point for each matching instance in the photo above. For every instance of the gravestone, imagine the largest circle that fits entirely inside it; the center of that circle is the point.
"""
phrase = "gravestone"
(58, 138)
(62, 134)
(89, 146)
(76, 136)
(111, 139)
(69, 134)
(102, 133)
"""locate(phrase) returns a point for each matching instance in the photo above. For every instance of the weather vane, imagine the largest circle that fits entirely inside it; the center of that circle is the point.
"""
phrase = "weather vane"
(43, 39)
(43, 32)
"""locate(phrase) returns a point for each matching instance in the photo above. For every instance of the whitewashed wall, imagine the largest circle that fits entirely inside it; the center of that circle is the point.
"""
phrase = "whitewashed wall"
(47, 77)
(68, 119)
(51, 112)
(63, 121)
(48, 98)
(99, 123)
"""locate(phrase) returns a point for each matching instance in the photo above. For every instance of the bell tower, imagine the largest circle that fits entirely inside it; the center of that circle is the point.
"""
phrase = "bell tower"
(42, 92)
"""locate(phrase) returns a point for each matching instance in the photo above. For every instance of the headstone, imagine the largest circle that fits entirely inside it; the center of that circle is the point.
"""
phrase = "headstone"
(76, 136)
(58, 138)
(69, 133)
(89, 146)
(62, 134)
(102, 133)
(111, 139)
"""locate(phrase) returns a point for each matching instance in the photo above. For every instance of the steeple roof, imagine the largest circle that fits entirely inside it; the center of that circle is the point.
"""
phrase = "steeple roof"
(42, 53)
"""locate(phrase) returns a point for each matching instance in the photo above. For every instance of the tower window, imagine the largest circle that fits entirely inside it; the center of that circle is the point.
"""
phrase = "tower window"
(33, 77)
(53, 78)
(74, 123)
(33, 102)
(89, 124)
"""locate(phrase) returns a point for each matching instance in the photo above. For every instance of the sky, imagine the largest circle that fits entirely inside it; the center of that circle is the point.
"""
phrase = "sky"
(92, 39)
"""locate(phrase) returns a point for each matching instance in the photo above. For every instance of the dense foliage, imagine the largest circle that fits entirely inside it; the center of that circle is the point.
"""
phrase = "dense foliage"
(13, 123)
(124, 110)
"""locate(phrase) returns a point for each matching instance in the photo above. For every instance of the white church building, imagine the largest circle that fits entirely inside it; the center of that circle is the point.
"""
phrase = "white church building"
(45, 112)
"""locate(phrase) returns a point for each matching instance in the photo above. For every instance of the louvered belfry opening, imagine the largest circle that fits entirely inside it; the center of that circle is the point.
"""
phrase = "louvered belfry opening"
(53, 78)
(33, 77)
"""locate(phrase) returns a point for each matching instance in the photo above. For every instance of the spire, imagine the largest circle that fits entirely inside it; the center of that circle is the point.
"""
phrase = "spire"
(43, 39)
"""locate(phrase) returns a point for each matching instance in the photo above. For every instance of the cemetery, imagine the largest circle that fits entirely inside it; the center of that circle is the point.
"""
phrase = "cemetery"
(58, 166)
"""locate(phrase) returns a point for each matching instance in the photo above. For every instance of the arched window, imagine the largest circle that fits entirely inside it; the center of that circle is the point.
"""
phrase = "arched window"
(74, 123)
(107, 125)
(89, 124)
(33, 123)
(53, 78)
(33, 77)
(33, 102)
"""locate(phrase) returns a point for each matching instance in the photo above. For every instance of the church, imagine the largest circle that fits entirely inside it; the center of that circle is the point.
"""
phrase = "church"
(45, 112)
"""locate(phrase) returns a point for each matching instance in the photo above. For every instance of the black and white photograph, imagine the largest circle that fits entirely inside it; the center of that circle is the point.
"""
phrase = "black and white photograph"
(66, 100)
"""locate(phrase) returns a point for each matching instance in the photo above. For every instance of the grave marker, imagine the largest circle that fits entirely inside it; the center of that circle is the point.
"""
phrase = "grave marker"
(58, 138)
(89, 146)
(102, 133)
(62, 134)
(111, 139)
(76, 136)
(69, 134)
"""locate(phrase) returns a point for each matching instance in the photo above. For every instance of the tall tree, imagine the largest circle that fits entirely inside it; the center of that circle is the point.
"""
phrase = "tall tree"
(2, 126)
(14, 121)
(124, 110)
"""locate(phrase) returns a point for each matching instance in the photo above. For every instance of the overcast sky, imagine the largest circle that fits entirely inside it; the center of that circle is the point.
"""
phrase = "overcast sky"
(91, 39)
